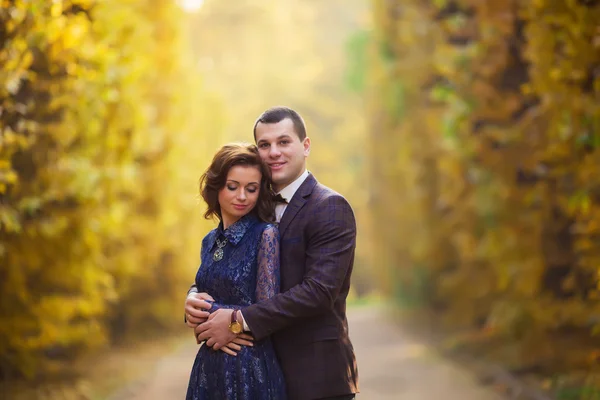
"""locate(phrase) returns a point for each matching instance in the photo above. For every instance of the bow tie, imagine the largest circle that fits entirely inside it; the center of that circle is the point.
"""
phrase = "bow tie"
(279, 199)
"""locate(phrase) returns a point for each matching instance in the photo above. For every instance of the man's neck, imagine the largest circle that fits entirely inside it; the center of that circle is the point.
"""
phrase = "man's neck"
(279, 188)
(288, 191)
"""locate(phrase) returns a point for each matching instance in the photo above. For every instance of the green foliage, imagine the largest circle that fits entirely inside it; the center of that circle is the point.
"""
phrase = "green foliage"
(357, 53)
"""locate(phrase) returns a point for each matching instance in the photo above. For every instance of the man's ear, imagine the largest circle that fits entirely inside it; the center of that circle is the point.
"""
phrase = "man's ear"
(306, 144)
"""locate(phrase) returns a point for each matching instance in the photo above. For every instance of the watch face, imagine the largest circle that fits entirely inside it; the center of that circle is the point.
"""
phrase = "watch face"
(235, 327)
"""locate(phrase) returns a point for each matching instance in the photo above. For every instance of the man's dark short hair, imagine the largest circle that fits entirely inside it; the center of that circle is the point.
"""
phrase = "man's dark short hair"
(277, 114)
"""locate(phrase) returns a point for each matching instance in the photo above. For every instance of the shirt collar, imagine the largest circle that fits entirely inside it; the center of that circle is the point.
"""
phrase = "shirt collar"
(238, 229)
(288, 192)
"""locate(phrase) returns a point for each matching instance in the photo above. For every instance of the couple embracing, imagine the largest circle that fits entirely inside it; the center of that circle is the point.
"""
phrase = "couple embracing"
(269, 299)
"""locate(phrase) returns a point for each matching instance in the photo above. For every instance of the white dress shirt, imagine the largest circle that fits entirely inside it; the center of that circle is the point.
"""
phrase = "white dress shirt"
(287, 193)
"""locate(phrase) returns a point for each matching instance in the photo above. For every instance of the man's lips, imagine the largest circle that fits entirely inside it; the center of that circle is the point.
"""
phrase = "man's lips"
(276, 166)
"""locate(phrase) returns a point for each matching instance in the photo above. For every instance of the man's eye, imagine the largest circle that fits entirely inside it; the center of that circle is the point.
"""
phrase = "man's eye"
(284, 142)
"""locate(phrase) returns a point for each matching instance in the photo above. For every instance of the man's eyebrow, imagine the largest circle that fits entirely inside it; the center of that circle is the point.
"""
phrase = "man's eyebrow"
(285, 135)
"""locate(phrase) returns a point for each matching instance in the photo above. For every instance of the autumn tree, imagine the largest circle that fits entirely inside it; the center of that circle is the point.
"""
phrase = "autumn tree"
(488, 116)
(101, 146)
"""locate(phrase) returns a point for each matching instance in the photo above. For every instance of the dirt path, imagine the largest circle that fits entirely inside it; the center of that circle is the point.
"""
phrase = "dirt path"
(391, 365)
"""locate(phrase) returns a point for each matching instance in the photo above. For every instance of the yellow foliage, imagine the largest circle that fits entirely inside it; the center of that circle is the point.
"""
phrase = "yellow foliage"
(294, 53)
(100, 152)
(491, 190)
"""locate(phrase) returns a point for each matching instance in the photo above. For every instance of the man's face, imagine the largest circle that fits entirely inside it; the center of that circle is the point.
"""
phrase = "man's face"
(280, 147)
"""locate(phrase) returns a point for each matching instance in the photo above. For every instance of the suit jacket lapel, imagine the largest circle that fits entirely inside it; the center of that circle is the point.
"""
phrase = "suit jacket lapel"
(297, 202)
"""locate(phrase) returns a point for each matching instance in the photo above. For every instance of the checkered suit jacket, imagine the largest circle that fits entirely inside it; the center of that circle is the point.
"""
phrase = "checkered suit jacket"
(307, 320)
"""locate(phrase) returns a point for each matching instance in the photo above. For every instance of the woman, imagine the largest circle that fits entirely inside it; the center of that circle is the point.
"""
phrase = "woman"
(239, 266)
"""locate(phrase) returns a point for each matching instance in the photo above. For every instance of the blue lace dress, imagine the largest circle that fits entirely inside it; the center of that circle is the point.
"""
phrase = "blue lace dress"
(248, 272)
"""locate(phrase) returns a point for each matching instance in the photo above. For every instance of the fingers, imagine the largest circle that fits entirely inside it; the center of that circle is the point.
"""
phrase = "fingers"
(202, 334)
(228, 351)
(211, 342)
(192, 303)
(200, 329)
(232, 346)
(204, 296)
(197, 305)
(243, 342)
(196, 315)
(196, 308)
(217, 346)
(245, 336)
(192, 321)
(213, 315)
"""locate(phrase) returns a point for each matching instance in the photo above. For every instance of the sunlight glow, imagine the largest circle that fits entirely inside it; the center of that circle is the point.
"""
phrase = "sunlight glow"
(190, 5)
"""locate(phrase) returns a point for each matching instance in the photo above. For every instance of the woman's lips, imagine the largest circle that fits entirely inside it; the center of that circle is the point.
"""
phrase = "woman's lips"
(239, 206)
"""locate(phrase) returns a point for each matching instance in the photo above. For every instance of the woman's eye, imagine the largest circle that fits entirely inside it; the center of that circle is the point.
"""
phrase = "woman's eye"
(232, 188)
(252, 190)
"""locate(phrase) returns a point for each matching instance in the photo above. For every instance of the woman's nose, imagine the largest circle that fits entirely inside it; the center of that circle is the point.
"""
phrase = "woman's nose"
(241, 194)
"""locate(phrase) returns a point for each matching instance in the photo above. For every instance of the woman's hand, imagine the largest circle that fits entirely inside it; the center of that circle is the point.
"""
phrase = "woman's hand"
(196, 308)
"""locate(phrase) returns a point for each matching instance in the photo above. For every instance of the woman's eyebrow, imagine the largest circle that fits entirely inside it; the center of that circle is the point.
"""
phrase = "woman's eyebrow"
(249, 183)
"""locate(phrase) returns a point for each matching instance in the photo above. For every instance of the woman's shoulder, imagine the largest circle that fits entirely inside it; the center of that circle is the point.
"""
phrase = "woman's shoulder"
(209, 236)
(268, 228)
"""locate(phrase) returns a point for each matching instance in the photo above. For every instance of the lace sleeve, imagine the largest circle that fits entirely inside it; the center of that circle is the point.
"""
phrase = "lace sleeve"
(267, 279)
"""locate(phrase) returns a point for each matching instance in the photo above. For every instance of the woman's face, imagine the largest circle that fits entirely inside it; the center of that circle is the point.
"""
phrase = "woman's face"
(239, 195)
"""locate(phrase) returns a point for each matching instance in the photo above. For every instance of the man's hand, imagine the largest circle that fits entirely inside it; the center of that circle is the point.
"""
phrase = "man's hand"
(196, 306)
(216, 330)
(232, 348)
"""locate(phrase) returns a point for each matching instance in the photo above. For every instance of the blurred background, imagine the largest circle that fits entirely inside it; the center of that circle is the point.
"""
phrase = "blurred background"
(465, 134)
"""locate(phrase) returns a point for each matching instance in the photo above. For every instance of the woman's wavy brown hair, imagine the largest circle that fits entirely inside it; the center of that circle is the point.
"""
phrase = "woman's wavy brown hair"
(215, 177)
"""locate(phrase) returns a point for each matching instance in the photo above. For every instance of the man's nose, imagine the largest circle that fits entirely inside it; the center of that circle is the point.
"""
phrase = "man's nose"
(274, 152)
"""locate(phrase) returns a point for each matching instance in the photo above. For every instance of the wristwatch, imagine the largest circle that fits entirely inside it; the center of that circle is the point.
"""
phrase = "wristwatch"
(235, 326)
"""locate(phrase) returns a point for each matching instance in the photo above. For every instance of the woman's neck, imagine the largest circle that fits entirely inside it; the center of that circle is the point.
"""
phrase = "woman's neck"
(227, 222)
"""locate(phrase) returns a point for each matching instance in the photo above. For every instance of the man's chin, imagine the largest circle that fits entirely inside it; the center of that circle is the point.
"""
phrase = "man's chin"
(278, 180)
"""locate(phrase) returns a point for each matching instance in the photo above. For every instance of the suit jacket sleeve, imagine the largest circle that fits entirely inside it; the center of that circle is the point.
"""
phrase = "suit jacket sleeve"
(329, 257)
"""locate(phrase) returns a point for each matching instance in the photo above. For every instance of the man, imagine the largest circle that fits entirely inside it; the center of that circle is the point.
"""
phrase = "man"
(307, 320)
